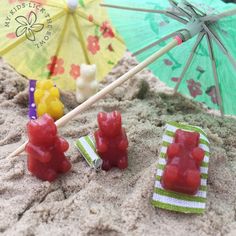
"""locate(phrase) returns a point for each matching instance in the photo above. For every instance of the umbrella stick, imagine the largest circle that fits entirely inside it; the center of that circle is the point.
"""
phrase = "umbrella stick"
(101, 94)
(172, 35)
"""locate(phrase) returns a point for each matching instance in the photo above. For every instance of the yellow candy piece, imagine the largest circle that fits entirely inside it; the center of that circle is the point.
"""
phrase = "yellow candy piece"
(47, 100)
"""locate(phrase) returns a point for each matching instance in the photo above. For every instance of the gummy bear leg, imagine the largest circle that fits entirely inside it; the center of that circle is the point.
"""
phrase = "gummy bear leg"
(35, 167)
(65, 166)
(79, 97)
(50, 175)
(170, 176)
(30, 165)
(106, 165)
(193, 180)
(122, 163)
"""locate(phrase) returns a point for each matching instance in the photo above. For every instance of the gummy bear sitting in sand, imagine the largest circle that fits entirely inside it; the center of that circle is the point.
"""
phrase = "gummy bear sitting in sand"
(111, 141)
(47, 100)
(86, 84)
(46, 149)
(184, 158)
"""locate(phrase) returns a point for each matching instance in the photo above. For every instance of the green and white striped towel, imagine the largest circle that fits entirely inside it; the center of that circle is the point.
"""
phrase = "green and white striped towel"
(176, 201)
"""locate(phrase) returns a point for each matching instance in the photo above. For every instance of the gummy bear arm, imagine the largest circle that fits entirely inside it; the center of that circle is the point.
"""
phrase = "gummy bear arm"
(173, 150)
(80, 83)
(64, 145)
(198, 155)
(123, 145)
(37, 153)
(94, 85)
(101, 143)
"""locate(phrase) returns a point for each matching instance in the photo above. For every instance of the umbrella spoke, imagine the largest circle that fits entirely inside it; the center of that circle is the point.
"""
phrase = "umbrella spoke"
(219, 16)
(167, 13)
(189, 61)
(81, 37)
(176, 17)
(213, 64)
(181, 10)
(221, 45)
(156, 43)
(23, 38)
(59, 44)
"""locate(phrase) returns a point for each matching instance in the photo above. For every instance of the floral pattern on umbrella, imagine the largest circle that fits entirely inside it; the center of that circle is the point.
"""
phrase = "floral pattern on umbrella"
(56, 66)
(75, 71)
(106, 30)
(194, 88)
(93, 44)
(211, 91)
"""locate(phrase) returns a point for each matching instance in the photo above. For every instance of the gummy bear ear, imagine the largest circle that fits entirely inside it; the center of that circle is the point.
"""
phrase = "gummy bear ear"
(116, 114)
(117, 117)
(47, 118)
(33, 126)
(102, 116)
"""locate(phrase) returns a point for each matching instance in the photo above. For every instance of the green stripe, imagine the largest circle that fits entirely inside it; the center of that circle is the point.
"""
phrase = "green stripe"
(165, 144)
(179, 196)
(162, 155)
(204, 176)
(90, 143)
(187, 127)
(84, 152)
(202, 187)
(202, 141)
(177, 208)
(170, 133)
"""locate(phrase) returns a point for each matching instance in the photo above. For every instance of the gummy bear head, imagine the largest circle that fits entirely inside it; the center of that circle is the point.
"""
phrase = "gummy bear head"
(43, 131)
(189, 140)
(110, 123)
(88, 72)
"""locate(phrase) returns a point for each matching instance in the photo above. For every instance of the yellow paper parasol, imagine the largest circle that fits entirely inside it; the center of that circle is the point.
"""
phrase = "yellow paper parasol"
(51, 38)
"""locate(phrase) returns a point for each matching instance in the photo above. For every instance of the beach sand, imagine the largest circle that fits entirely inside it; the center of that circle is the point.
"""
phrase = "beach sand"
(85, 202)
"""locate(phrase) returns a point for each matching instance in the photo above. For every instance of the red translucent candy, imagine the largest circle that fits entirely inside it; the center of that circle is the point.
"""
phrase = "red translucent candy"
(46, 149)
(111, 141)
(184, 158)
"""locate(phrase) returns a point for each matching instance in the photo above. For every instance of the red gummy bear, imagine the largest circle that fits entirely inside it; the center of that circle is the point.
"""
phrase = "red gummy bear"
(111, 141)
(45, 149)
(182, 171)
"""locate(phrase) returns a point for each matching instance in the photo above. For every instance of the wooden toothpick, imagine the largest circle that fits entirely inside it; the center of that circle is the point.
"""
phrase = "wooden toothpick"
(101, 94)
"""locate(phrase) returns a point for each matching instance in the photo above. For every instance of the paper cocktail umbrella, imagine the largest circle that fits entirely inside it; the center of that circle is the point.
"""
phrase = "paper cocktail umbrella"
(202, 68)
(50, 39)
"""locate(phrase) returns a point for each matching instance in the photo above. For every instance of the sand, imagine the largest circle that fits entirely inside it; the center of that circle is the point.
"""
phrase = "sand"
(85, 202)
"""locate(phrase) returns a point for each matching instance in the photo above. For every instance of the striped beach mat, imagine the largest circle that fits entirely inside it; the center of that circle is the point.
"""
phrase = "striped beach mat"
(177, 201)
(86, 146)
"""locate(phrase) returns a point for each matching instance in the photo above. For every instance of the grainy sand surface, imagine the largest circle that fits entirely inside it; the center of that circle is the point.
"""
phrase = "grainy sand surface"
(84, 202)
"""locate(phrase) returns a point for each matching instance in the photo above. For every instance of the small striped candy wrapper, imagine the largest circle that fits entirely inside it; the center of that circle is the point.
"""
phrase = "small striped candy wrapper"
(177, 201)
(87, 148)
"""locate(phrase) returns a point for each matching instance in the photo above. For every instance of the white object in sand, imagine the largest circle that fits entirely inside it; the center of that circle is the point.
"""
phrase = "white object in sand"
(86, 84)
